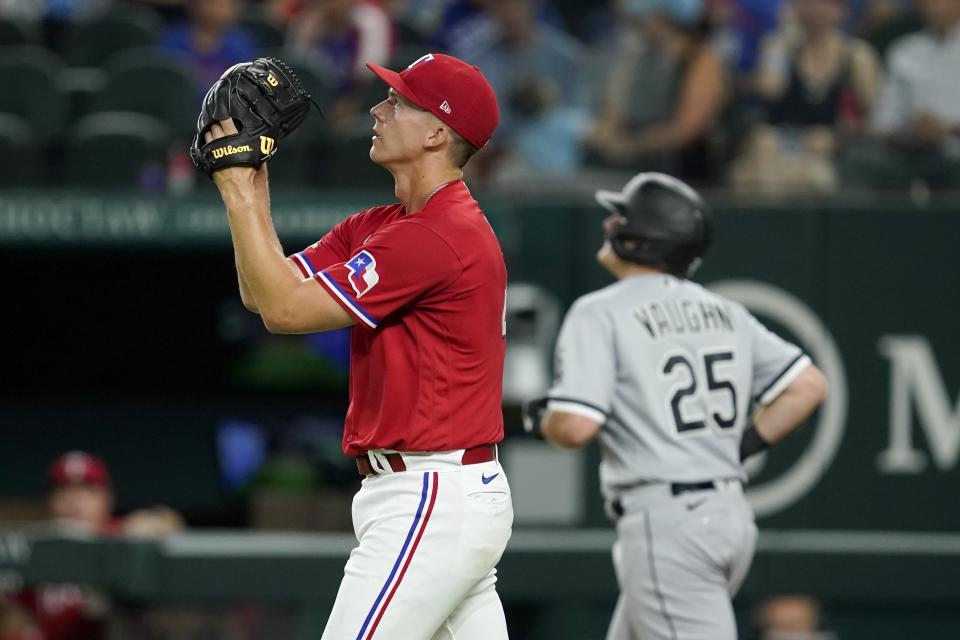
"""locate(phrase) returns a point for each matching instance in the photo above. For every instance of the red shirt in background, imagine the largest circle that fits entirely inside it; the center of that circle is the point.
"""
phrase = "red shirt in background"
(65, 611)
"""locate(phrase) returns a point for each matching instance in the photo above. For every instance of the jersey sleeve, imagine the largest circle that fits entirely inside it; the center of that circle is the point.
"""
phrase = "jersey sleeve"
(776, 362)
(585, 365)
(332, 248)
(393, 268)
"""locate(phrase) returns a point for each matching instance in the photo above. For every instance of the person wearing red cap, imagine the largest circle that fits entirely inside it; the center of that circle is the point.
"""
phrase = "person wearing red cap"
(81, 496)
(423, 284)
(81, 493)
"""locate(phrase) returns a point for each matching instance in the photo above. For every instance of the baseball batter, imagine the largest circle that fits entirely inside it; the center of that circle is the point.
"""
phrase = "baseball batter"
(667, 374)
(422, 282)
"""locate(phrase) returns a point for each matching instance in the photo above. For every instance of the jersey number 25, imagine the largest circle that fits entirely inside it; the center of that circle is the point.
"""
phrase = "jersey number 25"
(691, 387)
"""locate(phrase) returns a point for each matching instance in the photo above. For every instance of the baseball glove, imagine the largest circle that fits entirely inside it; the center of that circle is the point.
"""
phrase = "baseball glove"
(265, 99)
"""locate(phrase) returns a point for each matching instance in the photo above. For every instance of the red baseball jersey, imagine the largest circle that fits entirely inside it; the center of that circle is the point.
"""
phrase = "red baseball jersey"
(428, 291)
(65, 611)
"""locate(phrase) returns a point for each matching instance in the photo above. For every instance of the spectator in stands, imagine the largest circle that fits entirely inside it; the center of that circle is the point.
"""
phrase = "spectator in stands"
(546, 134)
(536, 72)
(666, 90)
(789, 617)
(752, 21)
(211, 40)
(80, 497)
(816, 84)
(881, 22)
(342, 36)
(468, 26)
(521, 46)
(81, 493)
(413, 22)
(725, 39)
(464, 25)
(282, 12)
(917, 118)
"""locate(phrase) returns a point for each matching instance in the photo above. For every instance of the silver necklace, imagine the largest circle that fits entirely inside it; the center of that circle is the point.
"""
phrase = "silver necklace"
(435, 191)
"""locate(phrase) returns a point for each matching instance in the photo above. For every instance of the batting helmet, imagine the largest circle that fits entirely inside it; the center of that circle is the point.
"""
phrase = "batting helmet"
(667, 224)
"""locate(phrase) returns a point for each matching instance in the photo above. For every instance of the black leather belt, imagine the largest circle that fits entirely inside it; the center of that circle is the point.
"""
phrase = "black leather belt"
(676, 489)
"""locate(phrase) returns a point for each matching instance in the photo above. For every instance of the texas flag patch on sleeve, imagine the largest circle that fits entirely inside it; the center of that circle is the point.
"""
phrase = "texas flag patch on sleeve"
(363, 274)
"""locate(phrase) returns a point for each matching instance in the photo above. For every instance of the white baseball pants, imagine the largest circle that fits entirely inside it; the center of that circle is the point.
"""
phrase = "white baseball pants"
(425, 566)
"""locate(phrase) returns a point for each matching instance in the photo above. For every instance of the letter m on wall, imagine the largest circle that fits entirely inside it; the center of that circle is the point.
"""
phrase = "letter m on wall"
(916, 383)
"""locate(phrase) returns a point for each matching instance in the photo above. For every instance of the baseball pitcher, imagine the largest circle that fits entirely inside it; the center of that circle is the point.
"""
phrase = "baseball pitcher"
(422, 282)
(681, 386)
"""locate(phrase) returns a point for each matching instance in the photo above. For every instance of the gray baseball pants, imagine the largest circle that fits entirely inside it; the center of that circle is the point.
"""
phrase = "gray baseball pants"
(679, 560)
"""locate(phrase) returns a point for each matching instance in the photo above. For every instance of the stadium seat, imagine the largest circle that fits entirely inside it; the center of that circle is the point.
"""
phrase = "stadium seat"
(152, 82)
(91, 44)
(21, 165)
(267, 34)
(14, 33)
(117, 149)
(37, 98)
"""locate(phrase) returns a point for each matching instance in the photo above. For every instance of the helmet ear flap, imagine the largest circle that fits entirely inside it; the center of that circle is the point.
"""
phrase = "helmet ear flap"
(632, 247)
(617, 242)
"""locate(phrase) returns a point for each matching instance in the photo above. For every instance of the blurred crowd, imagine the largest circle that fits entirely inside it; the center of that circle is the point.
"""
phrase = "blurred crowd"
(762, 96)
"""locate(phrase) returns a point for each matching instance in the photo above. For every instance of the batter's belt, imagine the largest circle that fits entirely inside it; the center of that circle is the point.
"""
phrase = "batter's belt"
(649, 492)
(395, 461)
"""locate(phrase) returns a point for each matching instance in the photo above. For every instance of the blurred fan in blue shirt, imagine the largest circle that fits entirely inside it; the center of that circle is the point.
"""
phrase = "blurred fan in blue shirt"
(211, 40)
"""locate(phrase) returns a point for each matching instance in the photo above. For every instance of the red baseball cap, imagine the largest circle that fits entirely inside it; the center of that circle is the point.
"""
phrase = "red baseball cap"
(78, 467)
(450, 89)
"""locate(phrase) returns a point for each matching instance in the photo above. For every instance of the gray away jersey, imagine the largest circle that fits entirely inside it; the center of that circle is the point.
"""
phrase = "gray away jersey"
(670, 370)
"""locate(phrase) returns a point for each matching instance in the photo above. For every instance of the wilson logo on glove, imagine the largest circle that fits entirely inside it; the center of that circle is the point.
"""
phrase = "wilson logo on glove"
(230, 150)
(267, 145)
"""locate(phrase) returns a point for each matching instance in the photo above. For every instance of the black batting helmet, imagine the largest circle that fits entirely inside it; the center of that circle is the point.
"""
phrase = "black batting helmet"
(668, 225)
